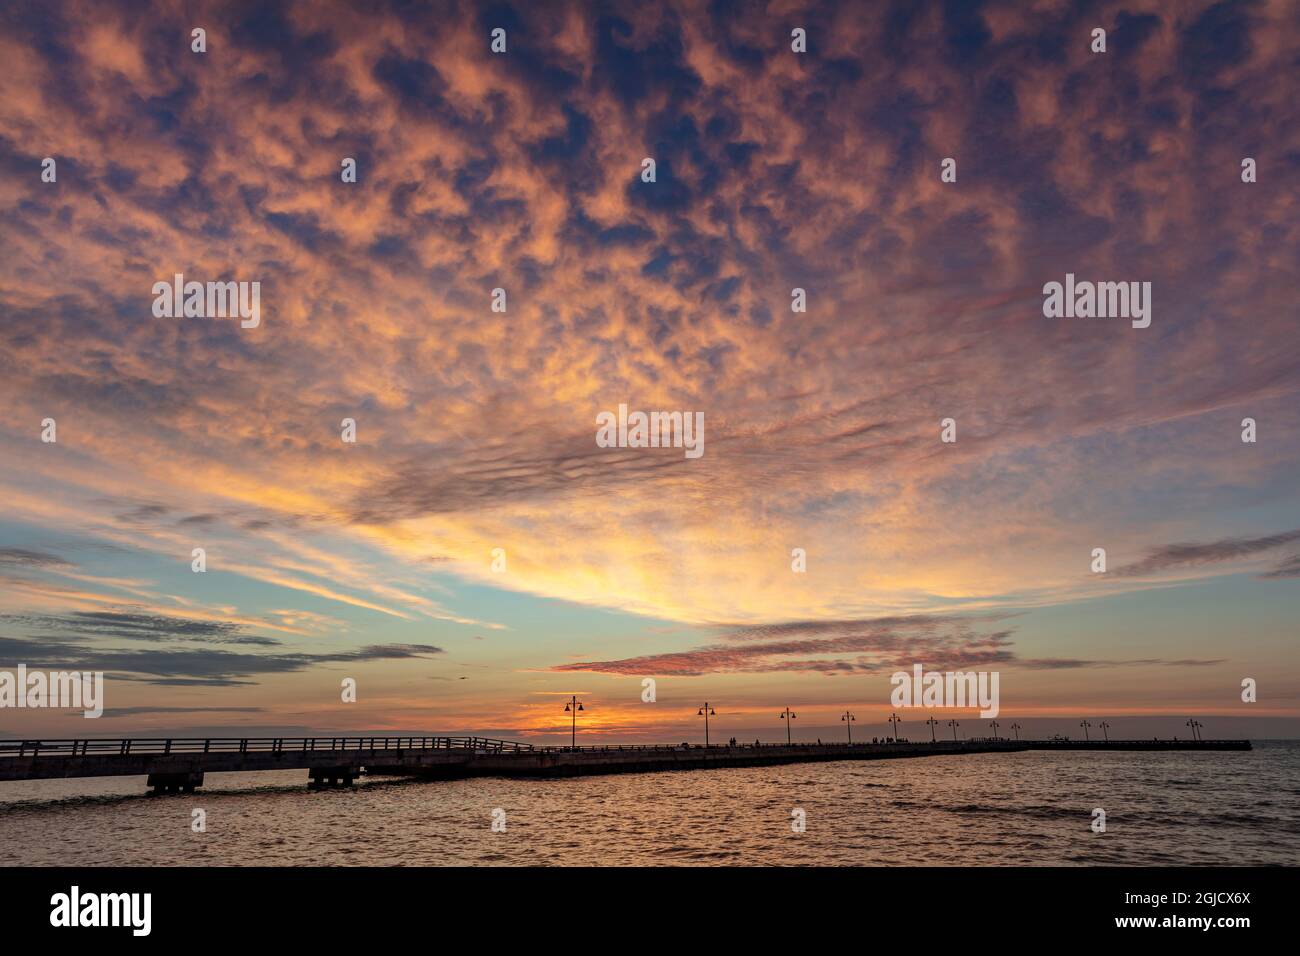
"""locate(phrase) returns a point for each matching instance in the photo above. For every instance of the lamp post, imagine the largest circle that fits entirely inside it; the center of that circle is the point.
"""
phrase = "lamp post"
(893, 719)
(572, 707)
(954, 725)
(1085, 725)
(1193, 723)
(994, 725)
(1016, 728)
(1105, 730)
(788, 717)
(848, 725)
(933, 723)
(706, 712)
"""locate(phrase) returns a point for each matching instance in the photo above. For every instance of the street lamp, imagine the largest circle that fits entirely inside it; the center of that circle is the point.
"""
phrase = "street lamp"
(954, 725)
(994, 725)
(572, 707)
(933, 723)
(893, 719)
(848, 725)
(1016, 728)
(788, 717)
(1105, 728)
(1085, 725)
(706, 712)
(1194, 724)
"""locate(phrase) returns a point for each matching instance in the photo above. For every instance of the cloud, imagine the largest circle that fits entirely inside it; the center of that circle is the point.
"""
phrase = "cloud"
(1058, 663)
(876, 645)
(198, 520)
(1289, 568)
(143, 627)
(22, 558)
(775, 170)
(1175, 556)
(140, 711)
(186, 668)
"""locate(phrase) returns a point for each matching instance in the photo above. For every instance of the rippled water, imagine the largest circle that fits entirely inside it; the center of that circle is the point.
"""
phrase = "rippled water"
(985, 809)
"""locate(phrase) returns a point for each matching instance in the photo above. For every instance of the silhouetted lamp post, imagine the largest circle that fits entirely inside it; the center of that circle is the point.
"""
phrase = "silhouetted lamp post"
(706, 712)
(954, 725)
(848, 725)
(893, 719)
(1016, 728)
(572, 707)
(1085, 725)
(994, 725)
(788, 717)
(1194, 724)
(1105, 728)
(933, 723)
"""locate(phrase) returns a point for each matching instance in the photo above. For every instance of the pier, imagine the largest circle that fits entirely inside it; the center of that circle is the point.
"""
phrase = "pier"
(174, 765)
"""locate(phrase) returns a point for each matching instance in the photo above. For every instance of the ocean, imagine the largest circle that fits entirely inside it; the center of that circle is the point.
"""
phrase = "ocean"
(1035, 808)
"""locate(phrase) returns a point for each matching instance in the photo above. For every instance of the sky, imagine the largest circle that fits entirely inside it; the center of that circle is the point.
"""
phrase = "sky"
(774, 170)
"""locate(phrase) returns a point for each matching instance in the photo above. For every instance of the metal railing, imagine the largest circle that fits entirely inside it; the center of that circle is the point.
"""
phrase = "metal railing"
(225, 745)
(374, 743)
(1116, 742)
(85, 747)
(739, 745)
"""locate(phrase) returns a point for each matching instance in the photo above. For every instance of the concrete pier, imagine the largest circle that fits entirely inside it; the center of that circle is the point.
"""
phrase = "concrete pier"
(603, 760)
(179, 765)
(184, 782)
(169, 761)
(331, 778)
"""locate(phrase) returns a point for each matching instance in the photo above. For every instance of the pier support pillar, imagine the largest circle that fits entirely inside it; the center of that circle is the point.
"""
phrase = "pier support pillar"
(328, 778)
(186, 781)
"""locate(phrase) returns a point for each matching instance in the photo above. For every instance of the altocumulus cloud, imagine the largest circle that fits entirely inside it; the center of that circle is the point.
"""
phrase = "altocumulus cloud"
(182, 668)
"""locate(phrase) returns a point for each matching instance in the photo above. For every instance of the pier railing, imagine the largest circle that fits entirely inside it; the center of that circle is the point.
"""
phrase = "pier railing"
(375, 743)
(178, 764)
(749, 745)
(203, 745)
(1069, 743)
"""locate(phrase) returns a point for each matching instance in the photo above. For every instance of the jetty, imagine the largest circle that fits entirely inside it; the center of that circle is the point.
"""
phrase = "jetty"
(173, 765)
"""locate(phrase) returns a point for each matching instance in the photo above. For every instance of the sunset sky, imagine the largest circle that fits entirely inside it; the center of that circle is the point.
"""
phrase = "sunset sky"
(476, 429)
